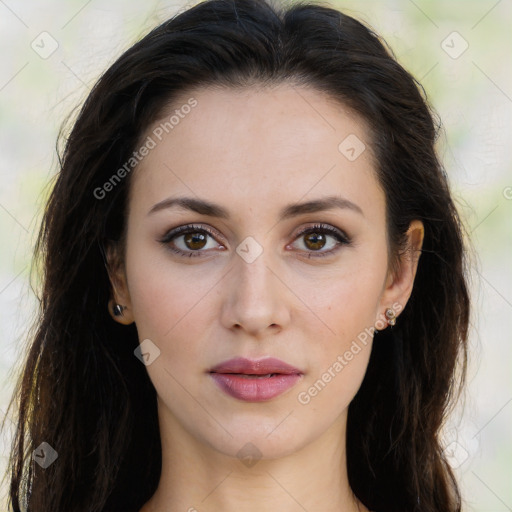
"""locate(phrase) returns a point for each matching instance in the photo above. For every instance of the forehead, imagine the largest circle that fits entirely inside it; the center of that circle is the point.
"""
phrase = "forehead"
(242, 146)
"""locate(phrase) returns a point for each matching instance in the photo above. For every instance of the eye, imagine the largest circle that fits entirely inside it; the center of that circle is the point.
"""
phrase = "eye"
(189, 240)
(315, 238)
(192, 241)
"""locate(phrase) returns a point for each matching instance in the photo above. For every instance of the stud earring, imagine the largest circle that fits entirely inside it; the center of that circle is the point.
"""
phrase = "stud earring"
(118, 310)
(390, 315)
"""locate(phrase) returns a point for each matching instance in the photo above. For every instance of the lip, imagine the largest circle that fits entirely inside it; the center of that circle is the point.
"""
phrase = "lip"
(255, 380)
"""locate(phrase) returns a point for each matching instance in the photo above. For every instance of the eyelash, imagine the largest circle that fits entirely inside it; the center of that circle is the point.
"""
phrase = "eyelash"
(317, 228)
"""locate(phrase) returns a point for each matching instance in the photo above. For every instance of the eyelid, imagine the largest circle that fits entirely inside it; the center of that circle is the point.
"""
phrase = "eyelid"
(340, 235)
(323, 227)
(186, 228)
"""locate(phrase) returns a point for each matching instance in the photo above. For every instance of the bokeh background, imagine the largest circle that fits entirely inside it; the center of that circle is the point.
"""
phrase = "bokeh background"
(53, 51)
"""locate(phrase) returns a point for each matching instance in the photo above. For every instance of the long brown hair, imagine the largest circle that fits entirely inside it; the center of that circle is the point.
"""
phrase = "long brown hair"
(84, 393)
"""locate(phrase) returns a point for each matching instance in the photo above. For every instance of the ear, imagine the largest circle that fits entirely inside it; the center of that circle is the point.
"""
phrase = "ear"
(119, 287)
(400, 281)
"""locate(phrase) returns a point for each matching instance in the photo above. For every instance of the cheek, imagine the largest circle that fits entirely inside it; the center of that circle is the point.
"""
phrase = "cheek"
(348, 306)
(349, 300)
(337, 362)
(165, 299)
(169, 307)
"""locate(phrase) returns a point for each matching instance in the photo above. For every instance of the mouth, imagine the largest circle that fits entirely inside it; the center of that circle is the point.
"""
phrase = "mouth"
(255, 381)
(252, 376)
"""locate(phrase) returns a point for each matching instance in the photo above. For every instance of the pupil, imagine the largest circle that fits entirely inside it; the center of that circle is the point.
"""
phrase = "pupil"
(194, 238)
(318, 240)
(314, 240)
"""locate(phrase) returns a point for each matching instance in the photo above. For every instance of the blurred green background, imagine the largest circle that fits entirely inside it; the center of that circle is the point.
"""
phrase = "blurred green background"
(459, 50)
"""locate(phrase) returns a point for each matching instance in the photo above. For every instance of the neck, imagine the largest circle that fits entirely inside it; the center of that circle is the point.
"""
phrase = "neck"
(197, 478)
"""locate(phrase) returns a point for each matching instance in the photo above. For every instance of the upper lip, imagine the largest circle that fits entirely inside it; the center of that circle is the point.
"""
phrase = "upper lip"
(263, 366)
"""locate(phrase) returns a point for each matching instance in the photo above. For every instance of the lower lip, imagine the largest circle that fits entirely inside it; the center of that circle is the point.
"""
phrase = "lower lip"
(255, 389)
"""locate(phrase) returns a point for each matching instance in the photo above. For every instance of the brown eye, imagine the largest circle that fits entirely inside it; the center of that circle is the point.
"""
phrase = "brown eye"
(191, 241)
(321, 240)
(314, 240)
(195, 241)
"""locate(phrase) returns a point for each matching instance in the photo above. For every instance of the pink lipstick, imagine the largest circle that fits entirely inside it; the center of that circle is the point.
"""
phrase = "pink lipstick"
(255, 381)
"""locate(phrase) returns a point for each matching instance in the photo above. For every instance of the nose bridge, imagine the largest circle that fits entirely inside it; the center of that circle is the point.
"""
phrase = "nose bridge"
(255, 301)
(253, 280)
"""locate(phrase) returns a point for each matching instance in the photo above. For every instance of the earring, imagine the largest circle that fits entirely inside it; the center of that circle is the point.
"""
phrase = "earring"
(390, 315)
(118, 310)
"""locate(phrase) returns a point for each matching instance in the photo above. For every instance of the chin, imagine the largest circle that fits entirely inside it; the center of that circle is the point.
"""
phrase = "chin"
(249, 449)
(263, 438)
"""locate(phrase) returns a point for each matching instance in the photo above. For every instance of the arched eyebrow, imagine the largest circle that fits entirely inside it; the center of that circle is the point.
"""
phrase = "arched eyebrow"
(211, 209)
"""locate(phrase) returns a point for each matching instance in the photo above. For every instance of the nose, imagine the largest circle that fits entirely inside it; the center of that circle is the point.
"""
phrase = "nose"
(255, 298)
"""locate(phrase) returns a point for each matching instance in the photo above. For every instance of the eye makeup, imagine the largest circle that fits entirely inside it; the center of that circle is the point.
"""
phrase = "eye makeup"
(324, 231)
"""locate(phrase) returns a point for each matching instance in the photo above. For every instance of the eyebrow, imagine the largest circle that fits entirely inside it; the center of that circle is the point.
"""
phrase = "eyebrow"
(210, 209)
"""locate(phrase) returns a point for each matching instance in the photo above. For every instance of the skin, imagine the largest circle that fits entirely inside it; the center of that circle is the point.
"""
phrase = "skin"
(254, 151)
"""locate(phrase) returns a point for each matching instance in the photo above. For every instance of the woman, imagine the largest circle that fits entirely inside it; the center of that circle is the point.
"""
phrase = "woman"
(254, 280)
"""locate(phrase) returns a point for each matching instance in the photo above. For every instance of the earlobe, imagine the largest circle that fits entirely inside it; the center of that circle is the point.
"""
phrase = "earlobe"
(119, 306)
(120, 313)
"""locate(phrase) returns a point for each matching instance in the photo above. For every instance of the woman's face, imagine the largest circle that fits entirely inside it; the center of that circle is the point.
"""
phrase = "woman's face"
(246, 282)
